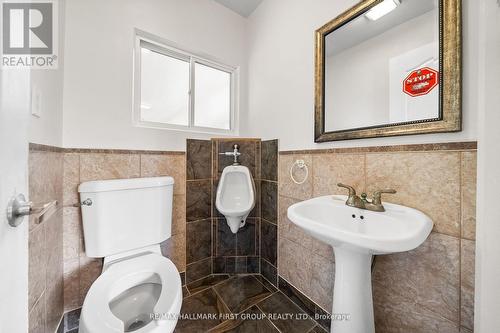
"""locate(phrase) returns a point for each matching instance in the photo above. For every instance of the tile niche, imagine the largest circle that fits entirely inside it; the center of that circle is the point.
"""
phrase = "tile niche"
(211, 247)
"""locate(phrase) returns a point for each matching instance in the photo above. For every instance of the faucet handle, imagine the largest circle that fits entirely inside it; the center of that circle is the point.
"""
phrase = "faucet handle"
(377, 195)
(352, 191)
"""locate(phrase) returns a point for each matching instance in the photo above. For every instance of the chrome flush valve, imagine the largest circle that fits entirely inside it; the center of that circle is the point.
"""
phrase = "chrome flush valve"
(235, 153)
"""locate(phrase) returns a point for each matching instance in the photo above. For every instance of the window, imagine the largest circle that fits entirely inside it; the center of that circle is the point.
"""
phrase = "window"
(179, 90)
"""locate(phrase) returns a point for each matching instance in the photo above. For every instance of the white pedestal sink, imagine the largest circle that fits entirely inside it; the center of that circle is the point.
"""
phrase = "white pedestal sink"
(356, 235)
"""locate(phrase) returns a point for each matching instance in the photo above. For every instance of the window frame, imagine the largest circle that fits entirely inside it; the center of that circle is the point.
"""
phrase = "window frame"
(170, 49)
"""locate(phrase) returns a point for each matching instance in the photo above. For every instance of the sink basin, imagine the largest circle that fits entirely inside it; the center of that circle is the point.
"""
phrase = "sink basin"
(356, 235)
(329, 219)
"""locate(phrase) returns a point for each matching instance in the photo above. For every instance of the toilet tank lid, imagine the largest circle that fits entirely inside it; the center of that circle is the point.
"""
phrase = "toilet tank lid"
(124, 184)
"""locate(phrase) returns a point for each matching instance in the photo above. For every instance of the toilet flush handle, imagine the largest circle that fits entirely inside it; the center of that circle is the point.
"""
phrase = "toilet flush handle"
(86, 202)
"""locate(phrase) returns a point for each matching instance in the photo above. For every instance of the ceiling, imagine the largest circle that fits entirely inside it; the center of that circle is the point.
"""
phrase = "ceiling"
(242, 7)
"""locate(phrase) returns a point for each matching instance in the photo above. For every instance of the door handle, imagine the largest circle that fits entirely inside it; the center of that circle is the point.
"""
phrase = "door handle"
(18, 207)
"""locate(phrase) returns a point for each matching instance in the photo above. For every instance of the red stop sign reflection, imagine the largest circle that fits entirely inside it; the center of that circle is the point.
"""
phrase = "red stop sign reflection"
(421, 81)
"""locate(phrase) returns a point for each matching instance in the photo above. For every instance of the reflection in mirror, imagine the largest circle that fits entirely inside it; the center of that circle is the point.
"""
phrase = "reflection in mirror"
(382, 67)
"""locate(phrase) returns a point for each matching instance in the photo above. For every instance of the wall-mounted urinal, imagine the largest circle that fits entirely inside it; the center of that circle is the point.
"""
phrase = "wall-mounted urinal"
(235, 196)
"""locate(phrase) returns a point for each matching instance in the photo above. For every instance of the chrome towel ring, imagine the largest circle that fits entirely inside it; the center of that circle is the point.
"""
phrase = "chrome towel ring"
(301, 164)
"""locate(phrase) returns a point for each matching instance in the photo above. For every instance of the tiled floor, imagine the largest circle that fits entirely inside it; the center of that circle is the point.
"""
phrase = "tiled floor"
(244, 303)
(238, 303)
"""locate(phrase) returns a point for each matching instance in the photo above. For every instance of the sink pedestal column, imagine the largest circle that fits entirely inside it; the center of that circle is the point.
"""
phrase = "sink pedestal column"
(352, 294)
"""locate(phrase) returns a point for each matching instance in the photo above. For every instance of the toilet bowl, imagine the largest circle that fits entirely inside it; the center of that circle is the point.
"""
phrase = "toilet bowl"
(124, 222)
(235, 196)
(140, 294)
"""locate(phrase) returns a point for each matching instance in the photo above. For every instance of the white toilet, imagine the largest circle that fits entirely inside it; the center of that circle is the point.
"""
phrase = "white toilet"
(139, 290)
(235, 196)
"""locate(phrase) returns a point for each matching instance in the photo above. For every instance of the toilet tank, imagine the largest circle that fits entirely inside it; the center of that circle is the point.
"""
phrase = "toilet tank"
(125, 214)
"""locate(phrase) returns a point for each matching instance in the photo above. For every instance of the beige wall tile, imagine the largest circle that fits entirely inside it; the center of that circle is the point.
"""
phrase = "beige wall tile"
(54, 306)
(322, 280)
(45, 176)
(45, 179)
(286, 186)
(54, 253)
(439, 289)
(166, 165)
(428, 181)
(37, 268)
(323, 249)
(37, 317)
(294, 264)
(428, 275)
(73, 233)
(71, 284)
(289, 230)
(179, 215)
(398, 314)
(174, 248)
(467, 283)
(301, 264)
(468, 181)
(97, 166)
(90, 269)
(45, 272)
(330, 169)
(71, 179)
(394, 274)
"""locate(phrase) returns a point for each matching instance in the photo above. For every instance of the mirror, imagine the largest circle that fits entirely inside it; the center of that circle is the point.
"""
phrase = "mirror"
(389, 67)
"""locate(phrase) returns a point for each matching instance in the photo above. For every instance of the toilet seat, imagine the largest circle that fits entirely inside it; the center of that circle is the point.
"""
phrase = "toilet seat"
(121, 276)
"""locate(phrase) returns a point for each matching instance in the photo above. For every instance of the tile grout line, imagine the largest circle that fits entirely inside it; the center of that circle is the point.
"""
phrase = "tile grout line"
(208, 287)
(258, 307)
(301, 310)
(221, 299)
(303, 294)
(297, 307)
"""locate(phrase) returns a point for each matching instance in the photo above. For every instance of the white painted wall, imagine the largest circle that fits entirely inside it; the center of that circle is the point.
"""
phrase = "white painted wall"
(487, 305)
(98, 66)
(47, 129)
(281, 75)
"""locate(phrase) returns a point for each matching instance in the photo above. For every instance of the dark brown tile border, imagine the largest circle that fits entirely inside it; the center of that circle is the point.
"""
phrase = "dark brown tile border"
(305, 303)
(122, 151)
(47, 148)
(269, 272)
(470, 145)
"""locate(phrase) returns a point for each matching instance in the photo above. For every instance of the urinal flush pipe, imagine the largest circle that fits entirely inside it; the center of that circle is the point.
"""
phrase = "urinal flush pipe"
(235, 153)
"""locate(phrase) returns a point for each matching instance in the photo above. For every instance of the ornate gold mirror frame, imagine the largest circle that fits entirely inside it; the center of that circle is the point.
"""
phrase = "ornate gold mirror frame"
(450, 88)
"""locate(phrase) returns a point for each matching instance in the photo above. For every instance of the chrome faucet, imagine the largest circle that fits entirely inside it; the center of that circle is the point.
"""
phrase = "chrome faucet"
(362, 202)
(235, 153)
